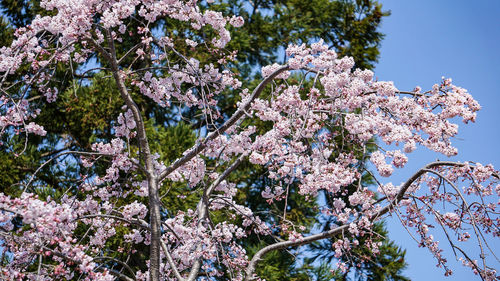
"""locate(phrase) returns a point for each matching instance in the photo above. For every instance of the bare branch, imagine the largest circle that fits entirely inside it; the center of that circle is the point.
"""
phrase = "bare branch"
(139, 223)
(119, 262)
(171, 262)
(285, 244)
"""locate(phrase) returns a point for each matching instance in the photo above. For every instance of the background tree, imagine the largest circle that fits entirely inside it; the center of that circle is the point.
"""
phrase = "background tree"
(348, 27)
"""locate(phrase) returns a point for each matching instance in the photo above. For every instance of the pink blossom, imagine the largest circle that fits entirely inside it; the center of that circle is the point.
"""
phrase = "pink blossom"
(236, 21)
(35, 129)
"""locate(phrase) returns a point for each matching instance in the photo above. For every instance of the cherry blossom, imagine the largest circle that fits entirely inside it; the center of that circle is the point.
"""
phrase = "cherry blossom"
(316, 141)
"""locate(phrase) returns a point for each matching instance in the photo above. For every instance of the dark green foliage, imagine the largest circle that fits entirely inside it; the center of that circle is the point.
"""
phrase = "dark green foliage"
(387, 265)
(20, 12)
(349, 27)
(85, 114)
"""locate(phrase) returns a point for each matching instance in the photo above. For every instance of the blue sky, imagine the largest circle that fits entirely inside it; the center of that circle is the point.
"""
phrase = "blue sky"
(460, 39)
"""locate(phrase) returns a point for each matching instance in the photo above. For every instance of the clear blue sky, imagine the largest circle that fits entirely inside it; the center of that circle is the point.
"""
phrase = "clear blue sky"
(425, 40)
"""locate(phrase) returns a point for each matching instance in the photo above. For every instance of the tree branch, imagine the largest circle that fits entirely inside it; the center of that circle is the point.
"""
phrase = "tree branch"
(202, 206)
(113, 272)
(171, 262)
(145, 153)
(139, 223)
(327, 234)
(231, 121)
(119, 262)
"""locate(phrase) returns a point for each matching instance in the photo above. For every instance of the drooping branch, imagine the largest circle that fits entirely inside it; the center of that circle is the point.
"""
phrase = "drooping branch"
(328, 234)
(286, 244)
(419, 173)
(126, 266)
(85, 153)
(71, 260)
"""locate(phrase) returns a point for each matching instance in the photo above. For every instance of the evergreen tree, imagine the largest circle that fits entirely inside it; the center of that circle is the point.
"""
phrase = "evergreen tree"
(349, 27)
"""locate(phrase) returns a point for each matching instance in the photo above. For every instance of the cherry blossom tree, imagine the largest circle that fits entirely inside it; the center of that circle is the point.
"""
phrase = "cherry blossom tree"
(322, 114)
